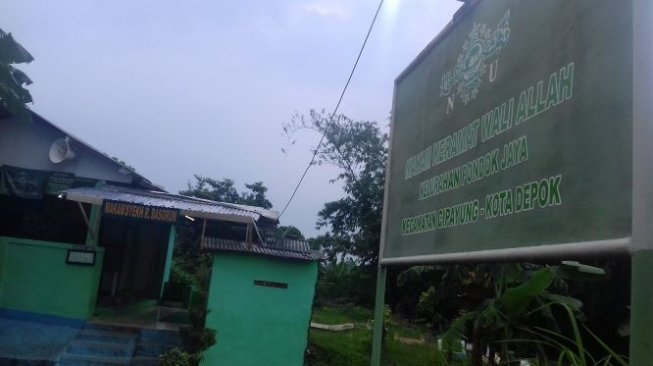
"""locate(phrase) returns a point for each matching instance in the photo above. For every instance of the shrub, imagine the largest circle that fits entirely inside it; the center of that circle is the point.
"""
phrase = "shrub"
(175, 357)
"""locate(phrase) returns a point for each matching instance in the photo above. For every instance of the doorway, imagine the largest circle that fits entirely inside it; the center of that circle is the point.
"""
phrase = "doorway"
(134, 261)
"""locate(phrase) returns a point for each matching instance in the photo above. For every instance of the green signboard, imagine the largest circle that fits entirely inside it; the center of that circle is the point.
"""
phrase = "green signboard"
(20, 182)
(58, 182)
(512, 132)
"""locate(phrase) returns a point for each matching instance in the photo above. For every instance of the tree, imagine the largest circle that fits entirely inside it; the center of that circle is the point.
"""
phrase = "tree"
(191, 265)
(13, 95)
(290, 232)
(359, 150)
(225, 191)
(256, 195)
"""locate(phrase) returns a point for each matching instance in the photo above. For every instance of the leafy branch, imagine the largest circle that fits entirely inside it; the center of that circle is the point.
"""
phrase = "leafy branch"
(12, 93)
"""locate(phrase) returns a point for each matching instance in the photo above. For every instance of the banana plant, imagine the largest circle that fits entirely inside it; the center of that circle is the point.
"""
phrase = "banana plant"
(500, 302)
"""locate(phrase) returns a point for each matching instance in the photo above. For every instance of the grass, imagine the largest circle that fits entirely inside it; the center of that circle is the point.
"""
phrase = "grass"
(342, 348)
(409, 330)
(347, 314)
(354, 347)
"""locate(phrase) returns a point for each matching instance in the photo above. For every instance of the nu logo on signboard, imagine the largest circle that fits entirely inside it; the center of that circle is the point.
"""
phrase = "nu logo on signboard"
(482, 44)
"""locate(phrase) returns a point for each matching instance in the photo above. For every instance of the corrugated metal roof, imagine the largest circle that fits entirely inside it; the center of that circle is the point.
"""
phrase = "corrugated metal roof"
(190, 206)
(288, 244)
(280, 249)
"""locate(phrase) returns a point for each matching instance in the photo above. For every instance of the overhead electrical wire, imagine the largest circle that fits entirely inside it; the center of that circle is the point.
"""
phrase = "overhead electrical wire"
(335, 110)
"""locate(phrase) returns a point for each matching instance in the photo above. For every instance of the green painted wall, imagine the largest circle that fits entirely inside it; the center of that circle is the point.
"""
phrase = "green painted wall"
(168, 265)
(259, 325)
(34, 277)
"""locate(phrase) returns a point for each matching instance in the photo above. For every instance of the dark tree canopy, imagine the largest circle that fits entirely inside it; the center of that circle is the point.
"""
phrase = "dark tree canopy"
(359, 150)
(290, 232)
(256, 195)
(225, 191)
(13, 95)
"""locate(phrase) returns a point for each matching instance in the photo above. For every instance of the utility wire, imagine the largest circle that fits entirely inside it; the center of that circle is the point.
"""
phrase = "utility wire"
(335, 110)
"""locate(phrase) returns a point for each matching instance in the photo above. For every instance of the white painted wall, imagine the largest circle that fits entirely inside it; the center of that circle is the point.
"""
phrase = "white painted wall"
(26, 145)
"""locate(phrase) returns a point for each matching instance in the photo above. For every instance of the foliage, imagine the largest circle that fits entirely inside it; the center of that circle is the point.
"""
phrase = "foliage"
(463, 288)
(179, 274)
(195, 337)
(341, 314)
(12, 93)
(342, 348)
(502, 316)
(606, 301)
(225, 191)
(387, 317)
(175, 357)
(354, 347)
(191, 266)
(427, 306)
(290, 232)
(124, 164)
(344, 282)
(522, 301)
(281, 232)
(256, 195)
(460, 288)
(359, 150)
(569, 350)
(572, 350)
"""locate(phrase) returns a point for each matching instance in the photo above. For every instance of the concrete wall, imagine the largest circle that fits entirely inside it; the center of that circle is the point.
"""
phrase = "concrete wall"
(26, 145)
(259, 325)
(35, 278)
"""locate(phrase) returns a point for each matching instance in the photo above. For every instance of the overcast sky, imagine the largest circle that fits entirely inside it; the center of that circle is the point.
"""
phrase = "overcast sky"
(177, 88)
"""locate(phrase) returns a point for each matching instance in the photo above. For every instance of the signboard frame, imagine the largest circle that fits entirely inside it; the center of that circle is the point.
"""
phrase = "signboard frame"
(639, 245)
(619, 245)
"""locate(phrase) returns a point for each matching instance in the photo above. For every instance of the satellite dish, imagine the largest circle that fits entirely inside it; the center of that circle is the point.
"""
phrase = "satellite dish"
(60, 151)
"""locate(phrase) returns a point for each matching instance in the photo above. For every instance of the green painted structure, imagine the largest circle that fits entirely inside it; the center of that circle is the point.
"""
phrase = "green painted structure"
(170, 250)
(38, 226)
(55, 213)
(258, 322)
(35, 278)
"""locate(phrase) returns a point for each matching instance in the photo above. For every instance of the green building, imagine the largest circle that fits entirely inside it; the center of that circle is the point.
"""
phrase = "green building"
(260, 302)
(52, 250)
